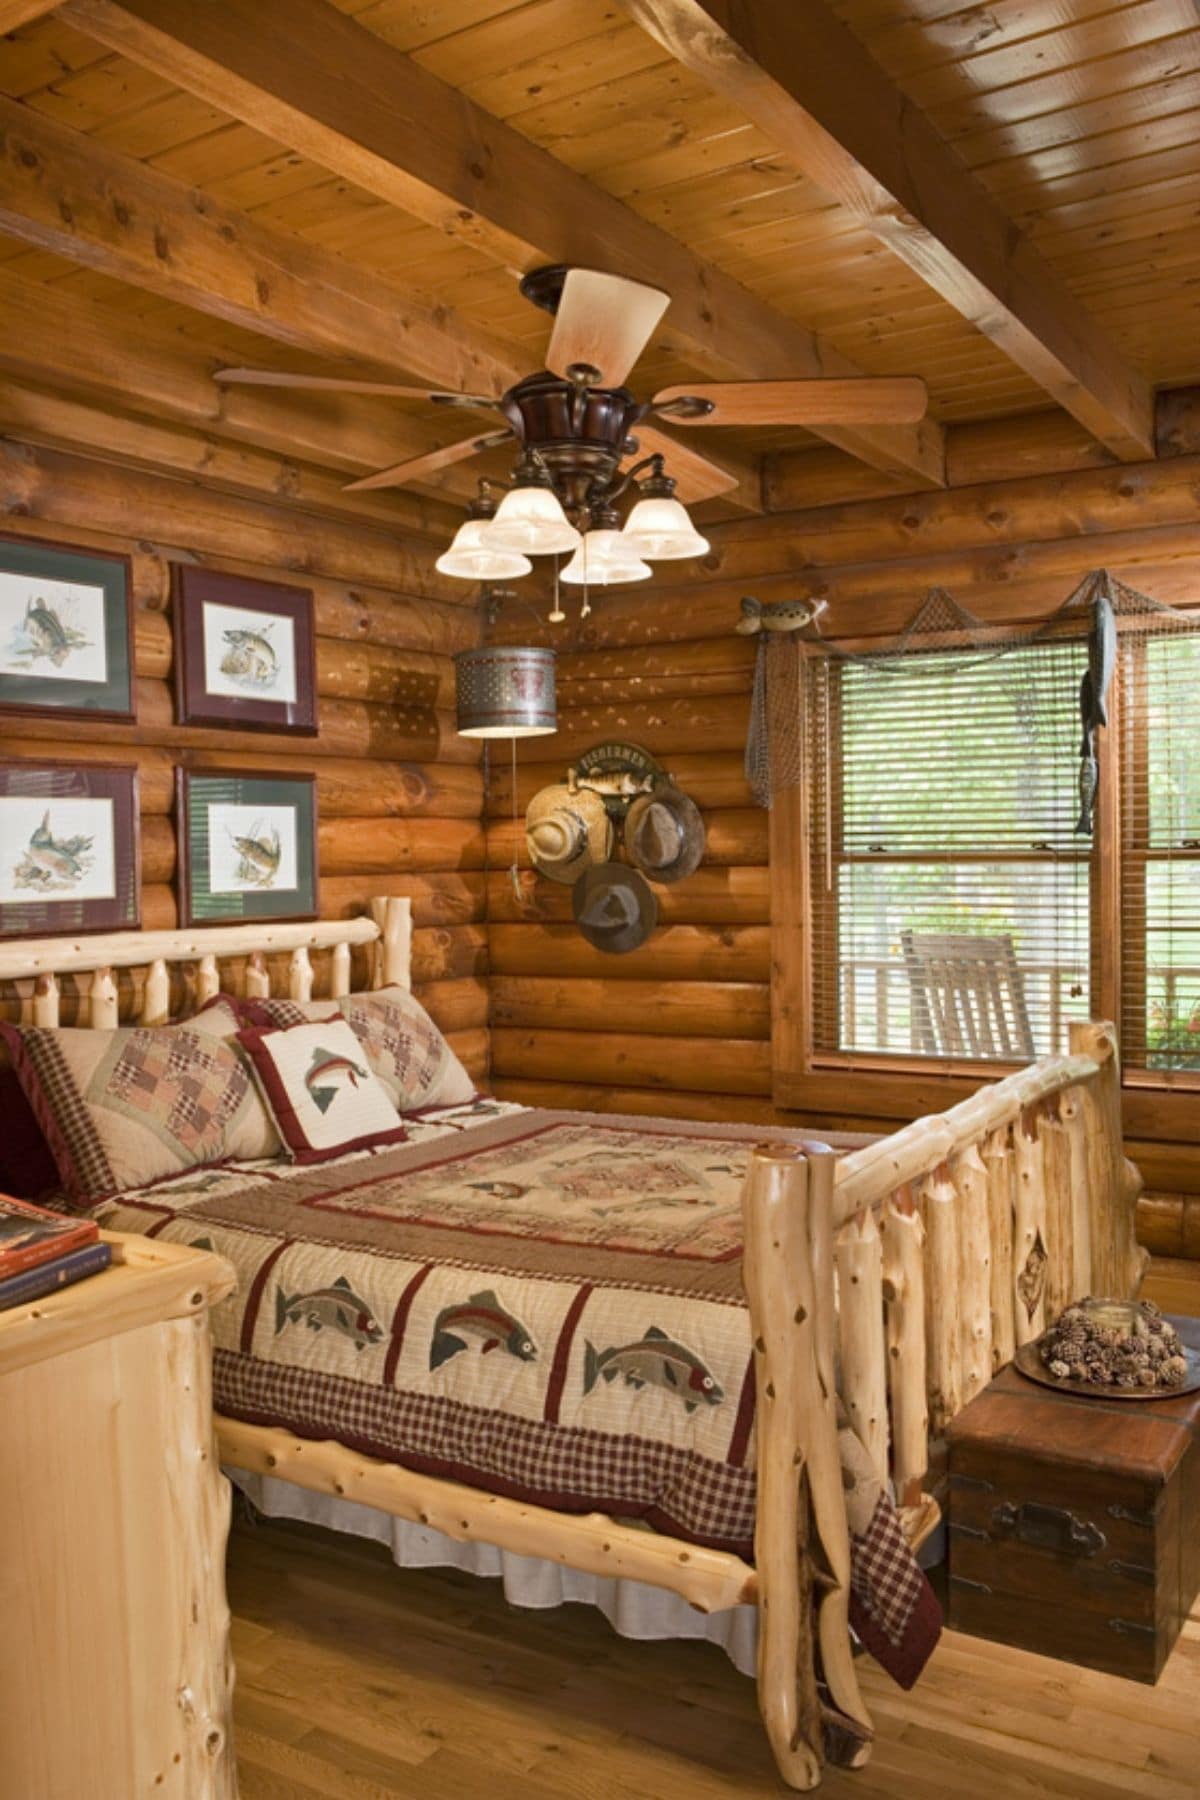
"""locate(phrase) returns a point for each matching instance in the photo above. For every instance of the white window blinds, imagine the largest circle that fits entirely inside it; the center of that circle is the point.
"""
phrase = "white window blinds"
(949, 892)
(1159, 728)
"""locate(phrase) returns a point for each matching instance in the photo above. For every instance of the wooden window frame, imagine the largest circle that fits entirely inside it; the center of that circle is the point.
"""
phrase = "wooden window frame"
(1157, 1104)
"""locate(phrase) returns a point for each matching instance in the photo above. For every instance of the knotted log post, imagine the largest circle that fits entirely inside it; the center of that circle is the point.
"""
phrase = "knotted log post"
(943, 1306)
(998, 1161)
(904, 1303)
(1029, 1230)
(859, 1261)
(1118, 1261)
(970, 1178)
(799, 1473)
(1071, 1112)
(1056, 1167)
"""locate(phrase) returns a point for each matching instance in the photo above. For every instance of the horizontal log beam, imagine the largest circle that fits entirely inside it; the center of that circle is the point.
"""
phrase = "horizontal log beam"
(712, 896)
(438, 898)
(717, 1009)
(53, 337)
(76, 491)
(338, 95)
(734, 1066)
(68, 193)
(387, 846)
(654, 1103)
(809, 83)
(673, 952)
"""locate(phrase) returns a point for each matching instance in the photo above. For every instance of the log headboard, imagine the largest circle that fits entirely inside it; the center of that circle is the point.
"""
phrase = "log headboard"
(35, 966)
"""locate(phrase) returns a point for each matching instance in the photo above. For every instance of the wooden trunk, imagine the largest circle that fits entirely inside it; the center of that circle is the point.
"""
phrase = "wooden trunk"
(1073, 1522)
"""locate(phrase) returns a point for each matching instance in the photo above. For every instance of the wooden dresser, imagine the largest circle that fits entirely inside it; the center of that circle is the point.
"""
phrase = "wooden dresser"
(115, 1674)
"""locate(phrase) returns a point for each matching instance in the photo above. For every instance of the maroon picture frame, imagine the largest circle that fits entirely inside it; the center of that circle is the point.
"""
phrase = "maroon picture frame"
(197, 906)
(118, 782)
(192, 590)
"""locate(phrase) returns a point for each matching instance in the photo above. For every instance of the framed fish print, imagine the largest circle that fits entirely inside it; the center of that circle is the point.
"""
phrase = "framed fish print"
(245, 652)
(69, 849)
(66, 631)
(247, 846)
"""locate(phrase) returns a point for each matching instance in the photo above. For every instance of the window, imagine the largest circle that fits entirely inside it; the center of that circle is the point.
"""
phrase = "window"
(950, 895)
(1160, 850)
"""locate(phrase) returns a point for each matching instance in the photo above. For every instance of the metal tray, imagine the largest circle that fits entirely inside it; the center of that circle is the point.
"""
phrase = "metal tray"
(1029, 1363)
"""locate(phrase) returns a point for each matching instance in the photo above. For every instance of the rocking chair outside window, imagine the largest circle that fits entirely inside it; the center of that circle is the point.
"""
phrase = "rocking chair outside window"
(968, 996)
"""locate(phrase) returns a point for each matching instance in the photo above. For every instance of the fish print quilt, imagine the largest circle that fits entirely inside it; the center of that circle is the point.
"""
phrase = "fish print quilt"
(544, 1305)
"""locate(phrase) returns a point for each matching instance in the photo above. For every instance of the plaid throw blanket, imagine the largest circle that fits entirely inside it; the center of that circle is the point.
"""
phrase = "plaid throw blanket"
(544, 1305)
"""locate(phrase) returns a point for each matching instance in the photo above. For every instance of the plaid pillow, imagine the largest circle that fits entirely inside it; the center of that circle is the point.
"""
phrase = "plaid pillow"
(324, 1098)
(123, 1108)
(399, 1040)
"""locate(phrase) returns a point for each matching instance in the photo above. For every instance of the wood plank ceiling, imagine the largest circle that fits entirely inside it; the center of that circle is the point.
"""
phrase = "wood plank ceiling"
(1078, 117)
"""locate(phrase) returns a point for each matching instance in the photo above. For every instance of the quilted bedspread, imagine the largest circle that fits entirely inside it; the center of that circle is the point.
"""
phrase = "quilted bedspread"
(545, 1305)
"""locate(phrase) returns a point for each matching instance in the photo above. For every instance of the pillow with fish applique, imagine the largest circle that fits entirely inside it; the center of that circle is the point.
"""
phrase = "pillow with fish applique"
(321, 1090)
(121, 1109)
(399, 1041)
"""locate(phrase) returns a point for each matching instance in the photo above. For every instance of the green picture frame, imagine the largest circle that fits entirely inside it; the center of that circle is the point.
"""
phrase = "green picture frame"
(66, 631)
(247, 846)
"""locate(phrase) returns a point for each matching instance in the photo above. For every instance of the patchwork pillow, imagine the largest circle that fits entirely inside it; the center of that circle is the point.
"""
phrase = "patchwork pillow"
(399, 1040)
(317, 1082)
(123, 1108)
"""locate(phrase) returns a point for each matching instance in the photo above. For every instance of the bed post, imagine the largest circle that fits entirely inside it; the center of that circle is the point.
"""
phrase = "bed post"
(1118, 1261)
(391, 961)
(788, 1277)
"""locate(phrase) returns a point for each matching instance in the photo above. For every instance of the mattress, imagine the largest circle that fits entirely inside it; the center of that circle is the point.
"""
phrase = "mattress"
(546, 1305)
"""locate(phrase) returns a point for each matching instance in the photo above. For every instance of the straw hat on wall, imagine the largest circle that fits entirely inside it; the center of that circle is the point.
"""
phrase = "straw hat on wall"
(567, 830)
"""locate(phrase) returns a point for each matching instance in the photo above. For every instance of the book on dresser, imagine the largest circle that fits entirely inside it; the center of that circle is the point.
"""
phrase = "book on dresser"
(41, 1251)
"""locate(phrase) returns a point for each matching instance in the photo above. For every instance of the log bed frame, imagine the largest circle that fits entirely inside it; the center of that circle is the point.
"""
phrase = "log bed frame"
(900, 1275)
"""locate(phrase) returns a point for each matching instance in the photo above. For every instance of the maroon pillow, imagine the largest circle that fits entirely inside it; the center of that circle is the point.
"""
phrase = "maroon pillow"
(27, 1166)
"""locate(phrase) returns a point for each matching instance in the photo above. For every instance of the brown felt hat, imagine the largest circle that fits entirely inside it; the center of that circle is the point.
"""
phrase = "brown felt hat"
(614, 907)
(567, 830)
(664, 833)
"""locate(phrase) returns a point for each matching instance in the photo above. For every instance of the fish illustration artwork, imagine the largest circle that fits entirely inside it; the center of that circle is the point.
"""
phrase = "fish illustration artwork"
(777, 615)
(335, 1308)
(654, 1360)
(251, 658)
(259, 855)
(52, 863)
(330, 1074)
(47, 634)
(484, 1320)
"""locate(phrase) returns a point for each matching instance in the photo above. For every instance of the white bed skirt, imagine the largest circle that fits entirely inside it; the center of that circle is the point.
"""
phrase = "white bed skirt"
(633, 1609)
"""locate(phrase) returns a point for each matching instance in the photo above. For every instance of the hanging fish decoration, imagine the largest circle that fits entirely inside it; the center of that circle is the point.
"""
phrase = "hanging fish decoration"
(1093, 705)
(777, 615)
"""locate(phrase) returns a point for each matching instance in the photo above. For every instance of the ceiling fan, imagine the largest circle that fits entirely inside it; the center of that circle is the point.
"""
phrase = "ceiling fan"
(575, 422)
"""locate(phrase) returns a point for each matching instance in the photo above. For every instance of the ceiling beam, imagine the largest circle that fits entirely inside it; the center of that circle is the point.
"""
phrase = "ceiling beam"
(15, 13)
(811, 86)
(69, 193)
(333, 91)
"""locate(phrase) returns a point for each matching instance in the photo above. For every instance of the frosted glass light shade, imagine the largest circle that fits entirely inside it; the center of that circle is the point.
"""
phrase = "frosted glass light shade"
(604, 559)
(659, 529)
(475, 556)
(505, 692)
(531, 520)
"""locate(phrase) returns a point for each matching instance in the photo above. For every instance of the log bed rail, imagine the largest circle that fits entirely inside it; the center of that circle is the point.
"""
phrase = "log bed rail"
(889, 1282)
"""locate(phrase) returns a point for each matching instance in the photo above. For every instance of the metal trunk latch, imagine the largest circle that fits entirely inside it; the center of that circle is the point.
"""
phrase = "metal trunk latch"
(1048, 1528)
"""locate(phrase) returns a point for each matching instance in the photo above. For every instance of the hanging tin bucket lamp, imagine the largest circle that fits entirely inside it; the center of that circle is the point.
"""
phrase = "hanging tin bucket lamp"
(503, 691)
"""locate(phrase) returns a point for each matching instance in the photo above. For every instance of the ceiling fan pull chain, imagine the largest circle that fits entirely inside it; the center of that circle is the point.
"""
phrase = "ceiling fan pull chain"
(586, 608)
(557, 615)
(514, 874)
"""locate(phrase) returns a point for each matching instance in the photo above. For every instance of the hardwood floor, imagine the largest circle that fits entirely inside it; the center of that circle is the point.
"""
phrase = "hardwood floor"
(357, 1681)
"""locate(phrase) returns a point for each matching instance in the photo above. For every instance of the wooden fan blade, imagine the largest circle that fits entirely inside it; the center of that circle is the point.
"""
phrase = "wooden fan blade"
(333, 384)
(697, 477)
(834, 400)
(604, 321)
(419, 468)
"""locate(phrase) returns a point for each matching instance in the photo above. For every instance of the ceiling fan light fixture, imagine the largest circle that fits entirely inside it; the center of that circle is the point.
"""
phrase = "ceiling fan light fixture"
(658, 528)
(530, 519)
(605, 558)
(473, 556)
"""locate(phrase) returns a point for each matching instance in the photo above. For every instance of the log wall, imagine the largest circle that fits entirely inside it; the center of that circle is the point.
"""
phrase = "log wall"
(400, 795)
(682, 1025)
